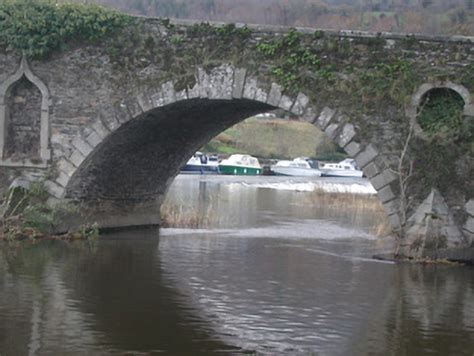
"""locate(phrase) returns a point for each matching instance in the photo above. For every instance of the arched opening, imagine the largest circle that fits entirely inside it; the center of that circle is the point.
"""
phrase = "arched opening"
(23, 117)
(441, 110)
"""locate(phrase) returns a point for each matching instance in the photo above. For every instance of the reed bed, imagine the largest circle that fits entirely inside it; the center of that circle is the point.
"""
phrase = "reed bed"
(174, 215)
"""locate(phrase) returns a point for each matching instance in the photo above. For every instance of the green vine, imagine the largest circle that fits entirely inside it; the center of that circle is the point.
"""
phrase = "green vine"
(442, 113)
(39, 27)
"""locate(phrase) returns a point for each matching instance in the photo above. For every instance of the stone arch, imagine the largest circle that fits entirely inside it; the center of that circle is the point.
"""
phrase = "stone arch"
(423, 90)
(44, 152)
(224, 89)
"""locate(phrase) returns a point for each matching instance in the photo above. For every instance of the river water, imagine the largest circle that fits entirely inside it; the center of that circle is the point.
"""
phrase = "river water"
(274, 269)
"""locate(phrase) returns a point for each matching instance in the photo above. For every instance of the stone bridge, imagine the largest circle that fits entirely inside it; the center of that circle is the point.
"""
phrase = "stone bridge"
(108, 125)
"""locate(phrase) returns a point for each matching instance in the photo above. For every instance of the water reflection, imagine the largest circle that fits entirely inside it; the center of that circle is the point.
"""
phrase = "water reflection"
(275, 275)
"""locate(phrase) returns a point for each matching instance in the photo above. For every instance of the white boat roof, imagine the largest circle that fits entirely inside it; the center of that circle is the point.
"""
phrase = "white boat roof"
(241, 160)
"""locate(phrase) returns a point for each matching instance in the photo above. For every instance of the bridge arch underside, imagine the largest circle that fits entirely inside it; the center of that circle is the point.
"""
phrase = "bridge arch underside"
(122, 183)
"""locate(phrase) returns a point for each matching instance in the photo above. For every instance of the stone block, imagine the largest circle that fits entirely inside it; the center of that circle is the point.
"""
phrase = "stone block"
(145, 102)
(169, 94)
(300, 104)
(121, 113)
(366, 156)
(352, 148)
(54, 189)
(469, 110)
(239, 83)
(203, 79)
(469, 226)
(386, 194)
(394, 221)
(325, 117)
(221, 82)
(93, 139)
(309, 115)
(250, 88)
(381, 180)
(101, 130)
(371, 169)
(346, 135)
(469, 207)
(110, 121)
(62, 179)
(261, 95)
(392, 207)
(194, 91)
(65, 166)
(285, 103)
(157, 99)
(182, 95)
(133, 108)
(275, 95)
(331, 130)
(76, 158)
(82, 146)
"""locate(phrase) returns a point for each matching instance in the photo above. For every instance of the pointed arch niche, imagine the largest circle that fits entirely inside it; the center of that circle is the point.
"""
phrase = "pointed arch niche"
(24, 120)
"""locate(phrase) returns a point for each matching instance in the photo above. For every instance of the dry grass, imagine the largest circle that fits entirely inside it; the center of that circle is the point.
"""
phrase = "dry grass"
(183, 216)
(362, 203)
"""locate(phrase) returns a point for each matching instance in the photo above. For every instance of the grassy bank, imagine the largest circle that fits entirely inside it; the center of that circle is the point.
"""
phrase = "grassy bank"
(274, 138)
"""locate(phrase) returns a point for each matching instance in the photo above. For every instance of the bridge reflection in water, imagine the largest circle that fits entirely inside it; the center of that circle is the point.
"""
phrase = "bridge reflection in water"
(287, 283)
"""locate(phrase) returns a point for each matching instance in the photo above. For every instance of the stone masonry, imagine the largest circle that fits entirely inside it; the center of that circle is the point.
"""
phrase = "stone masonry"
(112, 133)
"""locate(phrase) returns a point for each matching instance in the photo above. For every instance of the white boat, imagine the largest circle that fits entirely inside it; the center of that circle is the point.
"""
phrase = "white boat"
(345, 168)
(240, 165)
(201, 163)
(299, 167)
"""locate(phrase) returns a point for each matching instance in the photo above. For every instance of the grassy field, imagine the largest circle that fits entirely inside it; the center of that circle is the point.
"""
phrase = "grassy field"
(274, 138)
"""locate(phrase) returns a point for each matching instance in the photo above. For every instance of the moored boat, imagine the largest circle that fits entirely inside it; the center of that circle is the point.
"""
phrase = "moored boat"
(240, 165)
(299, 167)
(201, 163)
(345, 168)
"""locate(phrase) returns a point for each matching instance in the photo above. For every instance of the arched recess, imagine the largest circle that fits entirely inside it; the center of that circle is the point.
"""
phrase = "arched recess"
(424, 90)
(124, 162)
(5, 120)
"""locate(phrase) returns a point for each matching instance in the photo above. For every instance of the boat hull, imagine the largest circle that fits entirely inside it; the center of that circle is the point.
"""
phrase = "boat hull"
(295, 172)
(239, 170)
(336, 173)
(199, 169)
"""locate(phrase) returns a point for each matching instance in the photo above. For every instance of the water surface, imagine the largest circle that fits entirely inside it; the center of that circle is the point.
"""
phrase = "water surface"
(276, 273)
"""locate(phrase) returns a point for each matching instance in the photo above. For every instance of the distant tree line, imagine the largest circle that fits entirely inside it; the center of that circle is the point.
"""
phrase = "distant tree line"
(425, 16)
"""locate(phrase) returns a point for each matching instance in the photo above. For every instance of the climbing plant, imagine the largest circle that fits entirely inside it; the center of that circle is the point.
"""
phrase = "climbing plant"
(441, 113)
(38, 27)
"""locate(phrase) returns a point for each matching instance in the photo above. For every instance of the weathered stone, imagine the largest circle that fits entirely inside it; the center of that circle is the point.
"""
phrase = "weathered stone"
(386, 194)
(221, 82)
(352, 148)
(394, 221)
(122, 114)
(331, 130)
(93, 139)
(300, 104)
(275, 95)
(469, 207)
(285, 103)
(381, 180)
(346, 135)
(62, 179)
(371, 170)
(469, 226)
(82, 146)
(203, 79)
(431, 227)
(366, 156)
(101, 130)
(325, 117)
(309, 115)
(145, 102)
(239, 82)
(158, 100)
(169, 94)
(54, 189)
(261, 95)
(76, 158)
(392, 207)
(250, 89)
